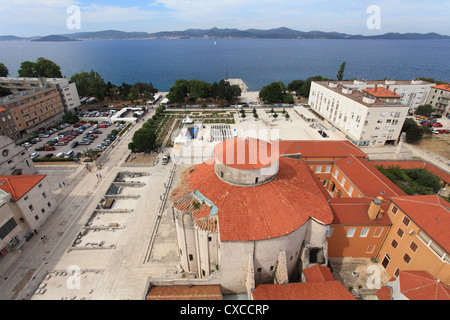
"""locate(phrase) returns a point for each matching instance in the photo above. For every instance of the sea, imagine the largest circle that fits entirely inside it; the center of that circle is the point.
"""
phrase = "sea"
(258, 62)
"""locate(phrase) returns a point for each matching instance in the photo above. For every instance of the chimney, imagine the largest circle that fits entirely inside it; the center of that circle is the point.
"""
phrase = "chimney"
(374, 208)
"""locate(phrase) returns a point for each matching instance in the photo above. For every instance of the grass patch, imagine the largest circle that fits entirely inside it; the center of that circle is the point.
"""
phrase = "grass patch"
(413, 181)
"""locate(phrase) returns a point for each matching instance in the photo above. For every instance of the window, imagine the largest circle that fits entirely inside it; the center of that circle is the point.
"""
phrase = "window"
(413, 246)
(191, 257)
(36, 217)
(394, 210)
(378, 232)
(328, 169)
(329, 232)
(25, 198)
(406, 258)
(49, 204)
(364, 232)
(43, 210)
(31, 207)
(44, 195)
(343, 181)
(259, 270)
(370, 249)
(397, 271)
(350, 190)
(336, 173)
(406, 221)
(394, 243)
(318, 169)
(350, 232)
(400, 232)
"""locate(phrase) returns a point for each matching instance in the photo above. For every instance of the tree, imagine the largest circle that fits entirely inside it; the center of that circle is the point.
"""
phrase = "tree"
(4, 72)
(90, 84)
(414, 133)
(340, 74)
(295, 85)
(178, 92)
(144, 140)
(424, 110)
(41, 68)
(307, 86)
(70, 117)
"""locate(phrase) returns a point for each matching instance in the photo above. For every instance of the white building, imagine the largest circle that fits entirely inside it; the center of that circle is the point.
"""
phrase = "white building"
(413, 93)
(32, 200)
(14, 159)
(373, 117)
(68, 91)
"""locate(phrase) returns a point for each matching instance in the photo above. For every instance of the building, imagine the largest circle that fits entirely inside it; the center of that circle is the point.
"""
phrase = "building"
(414, 285)
(14, 159)
(34, 108)
(366, 118)
(68, 91)
(419, 237)
(7, 125)
(237, 214)
(413, 93)
(439, 97)
(10, 229)
(32, 200)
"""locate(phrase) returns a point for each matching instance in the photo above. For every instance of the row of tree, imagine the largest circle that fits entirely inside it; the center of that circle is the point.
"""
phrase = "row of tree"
(144, 139)
(195, 90)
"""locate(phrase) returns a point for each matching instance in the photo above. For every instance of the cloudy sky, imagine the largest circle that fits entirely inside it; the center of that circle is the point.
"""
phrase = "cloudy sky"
(44, 17)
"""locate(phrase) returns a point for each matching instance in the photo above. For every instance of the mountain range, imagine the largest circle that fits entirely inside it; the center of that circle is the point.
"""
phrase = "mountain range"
(215, 33)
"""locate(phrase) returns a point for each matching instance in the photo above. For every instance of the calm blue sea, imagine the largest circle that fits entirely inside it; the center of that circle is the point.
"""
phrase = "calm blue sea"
(257, 62)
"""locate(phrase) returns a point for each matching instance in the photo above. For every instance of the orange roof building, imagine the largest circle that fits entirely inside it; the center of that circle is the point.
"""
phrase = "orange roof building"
(414, 285)
(256, 204)
(381, 93)
(323, 290)
(439, 97)
(18, 186)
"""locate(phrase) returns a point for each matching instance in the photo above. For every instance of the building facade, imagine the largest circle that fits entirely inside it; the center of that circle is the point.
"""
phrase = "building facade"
(412, 93)
(365, 119)
(34, 108)
(14, 159)
(68, 91)
(439, 98)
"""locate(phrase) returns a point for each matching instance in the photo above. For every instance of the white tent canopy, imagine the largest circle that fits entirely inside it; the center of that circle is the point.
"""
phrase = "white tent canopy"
(187, 120)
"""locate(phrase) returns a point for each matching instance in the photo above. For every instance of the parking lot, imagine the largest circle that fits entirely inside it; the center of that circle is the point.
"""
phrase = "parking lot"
(71, 141)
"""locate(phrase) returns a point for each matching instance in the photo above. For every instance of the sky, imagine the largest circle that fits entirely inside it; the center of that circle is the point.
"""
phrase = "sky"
(27, 18)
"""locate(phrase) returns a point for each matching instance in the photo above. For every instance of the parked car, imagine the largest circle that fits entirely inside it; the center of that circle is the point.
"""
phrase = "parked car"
(77, 155)
(74, 144)
(60, 155)
(49, 148)
(69, 154)
(34, 155)
(27, 145)
(48, 155)
(39, 149)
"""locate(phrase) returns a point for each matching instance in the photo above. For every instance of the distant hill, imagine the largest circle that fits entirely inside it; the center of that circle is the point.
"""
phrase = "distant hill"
(216, 33)
(54, 38)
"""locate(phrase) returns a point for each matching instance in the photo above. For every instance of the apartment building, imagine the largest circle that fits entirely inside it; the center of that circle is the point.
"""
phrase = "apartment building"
(413, 93)
(439, 97)
(34, 108)
(14, 159)
(418, 239)
(68, 91)
(365, 117)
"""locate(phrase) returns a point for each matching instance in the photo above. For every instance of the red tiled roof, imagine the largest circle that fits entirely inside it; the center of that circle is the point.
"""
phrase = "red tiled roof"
(246, 153)
(431, 213)
(381, 92)
(354, 211)
(445, 86)
(320, 149)
(420, 285)
(2, 109)
(384, 293)
(318, 273)
(271, 210)
(413, 165)
(17, 186)
(211, 292)
(200, 213)
(324, 290)
(371, 182)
